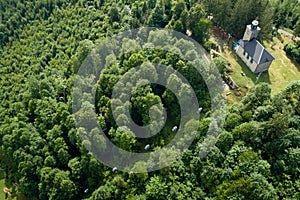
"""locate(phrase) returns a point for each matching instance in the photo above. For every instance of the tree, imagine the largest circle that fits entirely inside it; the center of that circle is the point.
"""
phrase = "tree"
(263, 113)
(83, 50)
(221, 64)
(142, 101)
(225, 141)
(157, 18)
(55, 184)
(232, 121)
(287, 14)
(138, 179)
(177, 8)
(48, 156)
(135, 60)
(123, 137)
(156, 188)
(195, 14)
(63, 156)
(297, 28)
(277, 126)
(293, 50)
(114, 13)
(234, 189)
(160, 38)
(266, 22)
(200, 29)
(244, 12)
(259, 95)
(222, 12)
(185, 94)
(291, 158)
(249, 132)
(262, 189)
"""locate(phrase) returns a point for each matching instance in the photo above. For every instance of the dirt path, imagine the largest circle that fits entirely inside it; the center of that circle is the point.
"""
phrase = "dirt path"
(288, 34)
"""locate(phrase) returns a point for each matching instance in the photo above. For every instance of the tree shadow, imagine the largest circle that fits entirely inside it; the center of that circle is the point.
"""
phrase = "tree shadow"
(292, 59)
(265, 77)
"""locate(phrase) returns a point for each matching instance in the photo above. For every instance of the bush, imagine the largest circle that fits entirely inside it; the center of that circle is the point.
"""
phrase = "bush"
(221, 64)
(208, 45)
(293, 50)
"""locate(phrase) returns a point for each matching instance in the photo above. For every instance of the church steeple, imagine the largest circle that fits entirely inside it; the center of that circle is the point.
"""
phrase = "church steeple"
(251, 31)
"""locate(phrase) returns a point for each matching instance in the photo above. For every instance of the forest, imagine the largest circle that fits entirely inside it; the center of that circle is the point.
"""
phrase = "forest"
(43, 155)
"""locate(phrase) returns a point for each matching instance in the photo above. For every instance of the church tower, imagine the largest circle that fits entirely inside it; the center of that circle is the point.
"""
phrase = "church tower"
(252, 31)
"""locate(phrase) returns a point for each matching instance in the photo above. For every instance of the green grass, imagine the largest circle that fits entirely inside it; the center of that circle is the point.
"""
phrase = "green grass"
(2, 185)
(283, 70)
(244, 82)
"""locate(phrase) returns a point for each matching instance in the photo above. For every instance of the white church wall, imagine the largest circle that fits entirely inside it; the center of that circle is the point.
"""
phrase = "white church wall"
(263, 67)
(252, 65)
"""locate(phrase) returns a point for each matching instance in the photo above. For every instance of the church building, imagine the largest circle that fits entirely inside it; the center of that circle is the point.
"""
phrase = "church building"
(252, 52)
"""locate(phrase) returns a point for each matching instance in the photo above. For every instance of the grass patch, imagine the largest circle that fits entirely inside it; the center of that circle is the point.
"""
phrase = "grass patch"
(244, 82)
(2, 185)
(283, 70)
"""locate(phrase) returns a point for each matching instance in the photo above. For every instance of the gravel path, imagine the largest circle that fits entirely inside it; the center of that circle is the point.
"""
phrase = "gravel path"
(287, 34)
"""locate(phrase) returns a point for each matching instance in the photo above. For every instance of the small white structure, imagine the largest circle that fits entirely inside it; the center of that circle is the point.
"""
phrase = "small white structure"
(147, 147)
(115, 170)
(199, 110)
(189, 33)
(175, 128)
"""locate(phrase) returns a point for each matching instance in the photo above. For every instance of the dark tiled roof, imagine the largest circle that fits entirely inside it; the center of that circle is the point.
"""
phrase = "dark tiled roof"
(257, 51)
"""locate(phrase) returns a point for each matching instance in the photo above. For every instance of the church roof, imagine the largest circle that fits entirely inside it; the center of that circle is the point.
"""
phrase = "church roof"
(257, 51)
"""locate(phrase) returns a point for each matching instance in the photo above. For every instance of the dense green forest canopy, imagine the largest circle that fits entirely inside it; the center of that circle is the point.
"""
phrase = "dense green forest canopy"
(287, 14)
(43, 44)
